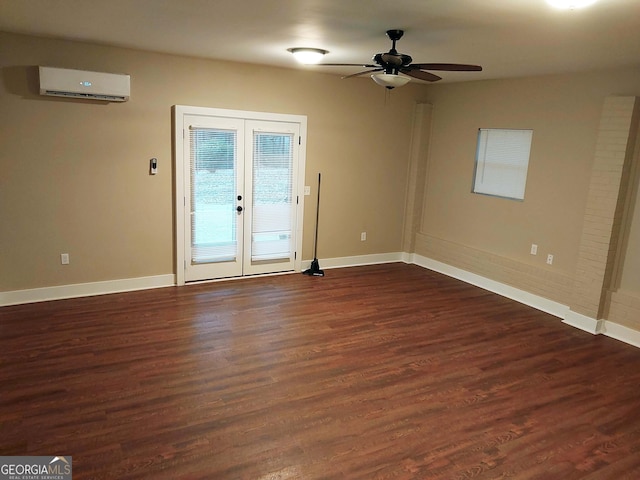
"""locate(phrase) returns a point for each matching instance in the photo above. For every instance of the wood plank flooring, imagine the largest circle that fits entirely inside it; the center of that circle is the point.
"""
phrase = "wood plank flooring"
(376, 372)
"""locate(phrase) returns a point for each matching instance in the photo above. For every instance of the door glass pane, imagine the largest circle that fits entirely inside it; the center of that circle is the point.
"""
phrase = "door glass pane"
(213, 195)
(272, 196)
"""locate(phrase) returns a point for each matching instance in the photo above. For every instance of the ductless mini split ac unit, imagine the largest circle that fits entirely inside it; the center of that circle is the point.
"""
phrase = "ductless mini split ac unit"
(64, 82)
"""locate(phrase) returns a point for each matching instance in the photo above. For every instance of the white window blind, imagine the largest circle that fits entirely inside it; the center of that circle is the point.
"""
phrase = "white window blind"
(213, 174)
(272, 205)
(502, 160)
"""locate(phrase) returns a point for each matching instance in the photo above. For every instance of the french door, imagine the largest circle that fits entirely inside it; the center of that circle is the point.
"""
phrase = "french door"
(241, 212)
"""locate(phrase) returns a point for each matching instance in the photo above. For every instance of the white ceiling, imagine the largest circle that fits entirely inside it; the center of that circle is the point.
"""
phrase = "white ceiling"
(509, 38)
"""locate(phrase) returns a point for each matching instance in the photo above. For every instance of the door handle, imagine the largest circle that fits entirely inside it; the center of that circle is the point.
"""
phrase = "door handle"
(239, 208)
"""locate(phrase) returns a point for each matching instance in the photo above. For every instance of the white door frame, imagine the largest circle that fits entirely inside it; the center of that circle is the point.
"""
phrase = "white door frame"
(179, 112)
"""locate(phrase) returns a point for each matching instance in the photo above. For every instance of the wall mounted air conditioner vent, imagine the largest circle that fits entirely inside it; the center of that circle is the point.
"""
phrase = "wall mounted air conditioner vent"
(64, 82)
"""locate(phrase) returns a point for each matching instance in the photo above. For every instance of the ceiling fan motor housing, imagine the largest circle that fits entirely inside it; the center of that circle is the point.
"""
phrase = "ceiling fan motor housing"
(393, 63)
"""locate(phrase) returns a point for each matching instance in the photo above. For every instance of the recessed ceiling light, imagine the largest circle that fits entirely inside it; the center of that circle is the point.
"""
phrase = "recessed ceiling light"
(570, 4)
(308, 56)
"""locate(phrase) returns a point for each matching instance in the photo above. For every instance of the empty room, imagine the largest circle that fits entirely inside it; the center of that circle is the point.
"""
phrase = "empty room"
(320, 240)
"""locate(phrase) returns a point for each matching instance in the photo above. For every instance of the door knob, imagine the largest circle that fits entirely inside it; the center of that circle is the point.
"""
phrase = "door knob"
(239, 208)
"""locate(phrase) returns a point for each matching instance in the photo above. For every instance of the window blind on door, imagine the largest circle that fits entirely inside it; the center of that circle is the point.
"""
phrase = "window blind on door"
(213, 203)
(272, 203)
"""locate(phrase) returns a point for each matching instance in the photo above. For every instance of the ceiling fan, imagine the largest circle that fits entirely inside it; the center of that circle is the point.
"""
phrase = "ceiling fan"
(386, 67)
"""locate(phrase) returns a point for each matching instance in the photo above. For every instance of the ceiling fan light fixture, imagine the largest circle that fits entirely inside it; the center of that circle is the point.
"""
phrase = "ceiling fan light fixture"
(308, 56)
(390, 80)
(570, 4)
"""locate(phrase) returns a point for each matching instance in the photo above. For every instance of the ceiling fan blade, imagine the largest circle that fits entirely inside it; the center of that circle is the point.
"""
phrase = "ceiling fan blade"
(364, 65)
(362, 73)
(450, 67)
(420, 75)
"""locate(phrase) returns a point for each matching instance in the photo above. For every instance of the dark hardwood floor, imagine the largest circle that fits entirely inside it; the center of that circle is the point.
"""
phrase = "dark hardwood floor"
(378, 372)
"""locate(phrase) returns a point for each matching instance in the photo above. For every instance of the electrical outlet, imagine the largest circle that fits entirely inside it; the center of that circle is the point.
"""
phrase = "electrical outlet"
(534, 249)
(307, 190)
(550, 259)
(363, 236)
(64, 258)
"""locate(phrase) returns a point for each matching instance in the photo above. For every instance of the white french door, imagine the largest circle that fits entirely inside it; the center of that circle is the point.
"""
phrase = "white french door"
(241, 210)
(214, 183)
(271, 197)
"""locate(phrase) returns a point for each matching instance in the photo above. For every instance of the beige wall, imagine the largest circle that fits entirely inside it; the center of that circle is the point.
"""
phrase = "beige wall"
(493, 236)
(75, 173)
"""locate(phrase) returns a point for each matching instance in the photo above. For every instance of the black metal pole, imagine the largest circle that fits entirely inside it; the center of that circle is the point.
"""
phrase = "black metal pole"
(315, 243)
(315, 265)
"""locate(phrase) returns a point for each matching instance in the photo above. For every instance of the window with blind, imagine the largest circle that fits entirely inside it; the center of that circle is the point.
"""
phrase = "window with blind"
(272, 172)
(213, 205)
(502, 160)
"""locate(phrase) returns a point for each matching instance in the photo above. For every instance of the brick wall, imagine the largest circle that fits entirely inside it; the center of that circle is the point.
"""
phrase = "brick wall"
(605, 206)
(537, 280)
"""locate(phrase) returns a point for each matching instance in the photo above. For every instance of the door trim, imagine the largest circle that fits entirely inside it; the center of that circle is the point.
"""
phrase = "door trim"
(179, 112)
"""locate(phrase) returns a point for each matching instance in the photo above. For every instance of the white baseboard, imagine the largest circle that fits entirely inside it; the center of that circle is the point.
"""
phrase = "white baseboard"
(356, 261)
(583, 322)
(569, 317)
(17, 297)
(622, 333)
(60, 292)
(540, 303)
(576, 320)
